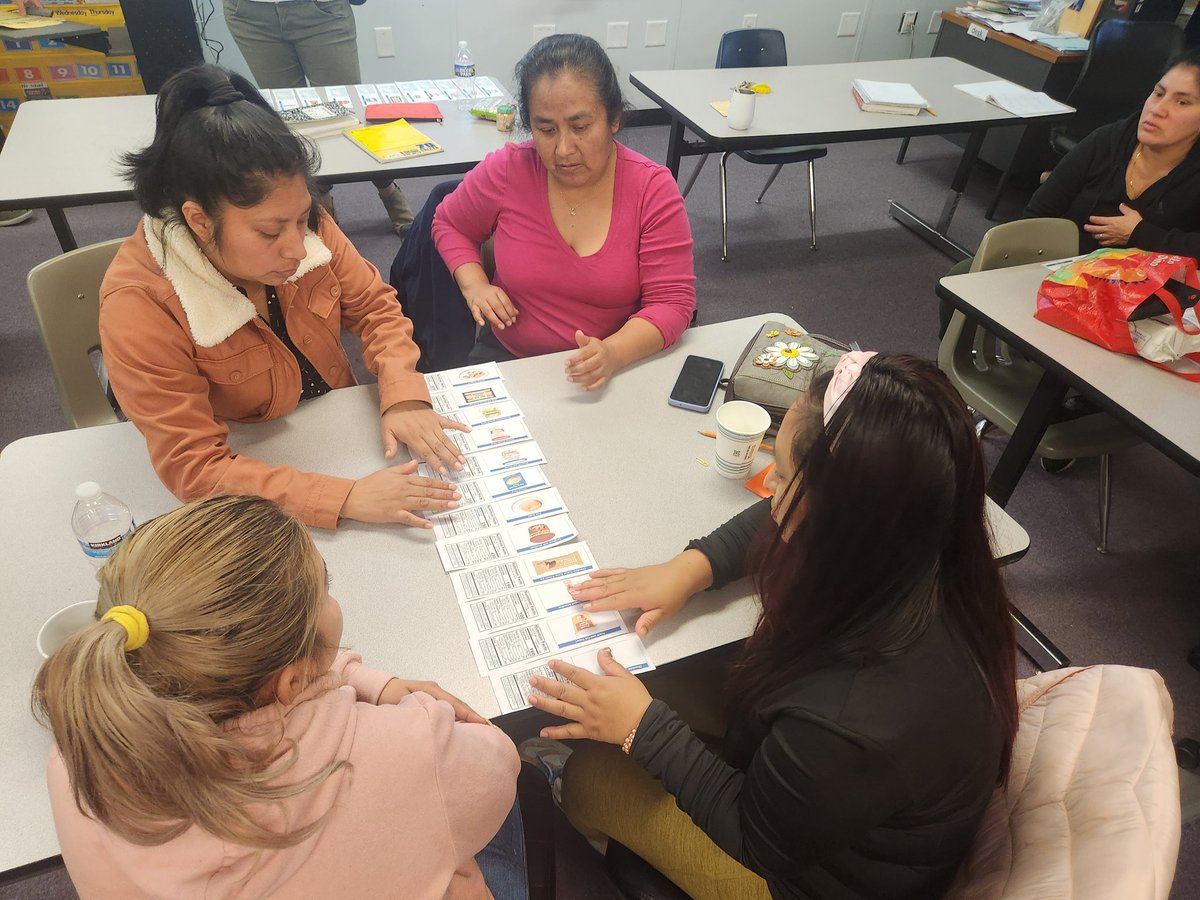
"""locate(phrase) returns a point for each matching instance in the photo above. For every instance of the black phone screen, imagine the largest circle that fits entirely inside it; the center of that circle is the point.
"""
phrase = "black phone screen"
(697, 382)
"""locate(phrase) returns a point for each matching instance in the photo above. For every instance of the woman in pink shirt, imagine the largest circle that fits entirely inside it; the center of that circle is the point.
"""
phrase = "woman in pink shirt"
(592, 243)
(213, 741)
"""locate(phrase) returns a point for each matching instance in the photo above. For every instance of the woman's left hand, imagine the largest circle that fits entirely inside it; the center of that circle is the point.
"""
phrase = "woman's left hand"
(593, 365)
(414, 423)
(1114, 231)
(603, 707)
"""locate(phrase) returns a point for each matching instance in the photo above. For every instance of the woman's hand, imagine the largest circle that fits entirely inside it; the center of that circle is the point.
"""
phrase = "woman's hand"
(489, 302)
(389, 494)
(660, 590)
(603, 707)
(1114, 231)
(593, 365)
(414, 423)
(23, 6)
(398, 688)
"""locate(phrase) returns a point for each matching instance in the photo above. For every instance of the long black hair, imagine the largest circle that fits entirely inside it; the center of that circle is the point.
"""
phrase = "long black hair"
(883, 531)
(575, 53)
(216, 141)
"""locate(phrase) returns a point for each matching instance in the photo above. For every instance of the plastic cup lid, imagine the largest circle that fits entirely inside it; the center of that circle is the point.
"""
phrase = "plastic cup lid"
(87, 490)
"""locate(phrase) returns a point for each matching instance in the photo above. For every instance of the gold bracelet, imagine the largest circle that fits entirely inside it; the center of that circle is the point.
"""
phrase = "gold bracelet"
(627, 744)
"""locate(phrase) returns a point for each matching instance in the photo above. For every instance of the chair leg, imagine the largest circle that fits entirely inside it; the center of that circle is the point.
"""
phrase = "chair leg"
(812, 206)
(770, 181)
(903, 151)
(695, 174)
(1105, 500)
(724, 212)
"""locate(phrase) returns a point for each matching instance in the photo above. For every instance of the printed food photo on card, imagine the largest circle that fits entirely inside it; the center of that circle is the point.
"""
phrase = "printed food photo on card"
(545, 636)
(517, 607)
(527, 453)
(482, 373)
(534, 504)
(505, 543)
(491, 435)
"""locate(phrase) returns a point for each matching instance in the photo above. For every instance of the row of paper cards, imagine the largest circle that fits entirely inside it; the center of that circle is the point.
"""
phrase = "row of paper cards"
(394, 92)
(511, 549)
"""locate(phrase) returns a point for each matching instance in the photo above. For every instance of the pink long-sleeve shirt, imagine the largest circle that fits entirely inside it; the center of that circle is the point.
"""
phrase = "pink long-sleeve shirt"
(422, 795)
(644, 269)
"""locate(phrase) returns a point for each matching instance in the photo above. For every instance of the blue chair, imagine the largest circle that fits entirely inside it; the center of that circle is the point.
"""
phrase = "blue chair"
(744, 48)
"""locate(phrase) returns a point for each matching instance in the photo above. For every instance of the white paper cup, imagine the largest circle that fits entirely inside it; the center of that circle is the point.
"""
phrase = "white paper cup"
(740, 429)
(741, 110)
(63, 624)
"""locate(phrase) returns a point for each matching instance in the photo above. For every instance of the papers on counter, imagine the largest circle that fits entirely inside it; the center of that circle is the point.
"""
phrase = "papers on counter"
(1013, 98)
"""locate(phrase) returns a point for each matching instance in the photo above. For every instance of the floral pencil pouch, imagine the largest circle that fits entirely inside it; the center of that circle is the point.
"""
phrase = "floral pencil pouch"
(778, 365)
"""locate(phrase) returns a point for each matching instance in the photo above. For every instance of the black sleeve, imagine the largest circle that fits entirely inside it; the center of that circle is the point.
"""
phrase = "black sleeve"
(811, 789)
(1053, 199)
(726, 547)
(1158, 239)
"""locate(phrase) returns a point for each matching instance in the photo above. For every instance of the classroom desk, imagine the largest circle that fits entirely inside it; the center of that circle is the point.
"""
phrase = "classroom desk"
(63, 153)
(78, 34)
(627, 464)
(813, 105)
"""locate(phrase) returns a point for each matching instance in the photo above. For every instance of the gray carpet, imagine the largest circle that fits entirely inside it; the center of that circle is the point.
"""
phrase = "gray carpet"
(871, 281)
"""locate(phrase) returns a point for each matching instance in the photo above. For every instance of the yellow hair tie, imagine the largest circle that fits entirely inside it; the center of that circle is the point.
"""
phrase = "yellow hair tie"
(133, 620)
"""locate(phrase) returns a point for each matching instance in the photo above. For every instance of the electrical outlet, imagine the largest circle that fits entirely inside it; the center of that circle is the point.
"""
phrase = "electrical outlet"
(618, 35)
(541, 31)
(656, 33)
(385, 44)
(750, 20)
(935, 22)
(848, 24)
(908, 22)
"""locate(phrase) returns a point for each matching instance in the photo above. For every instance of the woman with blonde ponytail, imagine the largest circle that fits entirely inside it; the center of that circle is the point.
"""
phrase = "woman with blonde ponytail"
(212, 739)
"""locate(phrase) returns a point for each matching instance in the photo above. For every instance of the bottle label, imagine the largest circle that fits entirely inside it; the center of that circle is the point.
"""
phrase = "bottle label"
(464, 70)
(104, 549)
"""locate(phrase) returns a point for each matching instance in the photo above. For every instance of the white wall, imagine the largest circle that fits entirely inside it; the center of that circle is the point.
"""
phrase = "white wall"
(499, 31)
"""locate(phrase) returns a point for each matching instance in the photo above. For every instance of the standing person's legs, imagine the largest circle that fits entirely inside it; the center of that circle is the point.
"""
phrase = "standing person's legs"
(258, 30)
(502, 861)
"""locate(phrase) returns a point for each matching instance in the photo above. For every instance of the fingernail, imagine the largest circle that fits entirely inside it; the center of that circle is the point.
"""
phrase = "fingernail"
(452, 504)
(588, 607)
(608, 653)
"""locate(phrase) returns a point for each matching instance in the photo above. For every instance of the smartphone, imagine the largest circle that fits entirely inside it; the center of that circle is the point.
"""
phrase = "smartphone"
(697, 383)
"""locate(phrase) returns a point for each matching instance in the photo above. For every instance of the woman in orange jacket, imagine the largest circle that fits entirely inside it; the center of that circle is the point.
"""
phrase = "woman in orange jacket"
(229, 300)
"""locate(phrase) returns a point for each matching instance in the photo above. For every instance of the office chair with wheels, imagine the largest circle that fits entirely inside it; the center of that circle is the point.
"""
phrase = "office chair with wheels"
(65, 292)
(1124, 61)
(999, 389)
(754, 47)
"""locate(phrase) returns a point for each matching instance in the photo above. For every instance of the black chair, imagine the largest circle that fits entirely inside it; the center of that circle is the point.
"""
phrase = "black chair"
(1124, 62)
(754, 47)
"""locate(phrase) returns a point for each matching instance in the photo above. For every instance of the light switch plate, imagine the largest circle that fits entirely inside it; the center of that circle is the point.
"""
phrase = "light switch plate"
(541, 31)
(656, 33)
(848, 24)
(618, 35)
(385, 43)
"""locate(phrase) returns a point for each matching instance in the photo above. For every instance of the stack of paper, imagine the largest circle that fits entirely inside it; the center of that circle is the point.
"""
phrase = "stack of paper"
(887, 97)
(1013, 98)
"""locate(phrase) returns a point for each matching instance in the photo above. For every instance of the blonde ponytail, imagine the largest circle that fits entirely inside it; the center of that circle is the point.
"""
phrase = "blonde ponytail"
(231, 588)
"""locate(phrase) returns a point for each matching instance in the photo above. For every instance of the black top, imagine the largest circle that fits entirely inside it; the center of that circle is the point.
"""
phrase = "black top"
(864, 779)
(311, 382)
(1090, 181)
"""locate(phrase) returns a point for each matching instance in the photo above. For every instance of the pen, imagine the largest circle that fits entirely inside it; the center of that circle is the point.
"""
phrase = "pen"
(769, 448)
(929, 109)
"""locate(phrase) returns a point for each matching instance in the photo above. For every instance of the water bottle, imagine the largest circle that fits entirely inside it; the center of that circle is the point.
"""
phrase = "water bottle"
(464, 75)
(100, 522)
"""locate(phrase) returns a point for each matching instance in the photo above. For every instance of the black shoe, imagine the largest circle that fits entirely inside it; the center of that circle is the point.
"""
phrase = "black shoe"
(1055, 466)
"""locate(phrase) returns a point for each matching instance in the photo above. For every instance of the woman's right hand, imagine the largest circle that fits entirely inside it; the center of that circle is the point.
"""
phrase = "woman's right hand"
(661, 590)
(391, 494)
(487, 301)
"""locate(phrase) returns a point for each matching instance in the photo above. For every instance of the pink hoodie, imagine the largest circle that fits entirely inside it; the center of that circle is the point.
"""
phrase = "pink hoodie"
(422, 795)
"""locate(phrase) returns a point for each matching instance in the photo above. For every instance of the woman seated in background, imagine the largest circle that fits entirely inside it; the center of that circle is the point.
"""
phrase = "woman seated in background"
(1136, 182)
(228, 302)
(873, 709)
(1132, 183)
(592, 243)
(212, 740)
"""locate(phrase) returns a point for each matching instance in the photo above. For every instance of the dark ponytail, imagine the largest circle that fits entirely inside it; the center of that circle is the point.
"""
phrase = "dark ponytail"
(216, 141)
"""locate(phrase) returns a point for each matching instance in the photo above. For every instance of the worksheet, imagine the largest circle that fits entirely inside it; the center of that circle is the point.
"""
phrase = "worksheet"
(390, 92)
(518, 607)
(480, 373)
(491, 436)
(367, 94)
(505, 542)
(512, 687)
(412, 92)
(462, 397)
(285, 98)
(308, 96)
(540, 567)
(484, 414)
(340, 95)
(504, 459)
(553, 635)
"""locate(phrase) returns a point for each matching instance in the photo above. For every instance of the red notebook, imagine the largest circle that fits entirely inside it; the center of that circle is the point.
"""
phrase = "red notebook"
(413, 112)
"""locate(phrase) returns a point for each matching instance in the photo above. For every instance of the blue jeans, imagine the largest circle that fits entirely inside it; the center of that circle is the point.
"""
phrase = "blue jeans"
(502, 861)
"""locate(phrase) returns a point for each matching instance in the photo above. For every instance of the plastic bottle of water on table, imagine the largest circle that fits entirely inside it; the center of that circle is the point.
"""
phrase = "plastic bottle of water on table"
(464, 75)
(100, 522)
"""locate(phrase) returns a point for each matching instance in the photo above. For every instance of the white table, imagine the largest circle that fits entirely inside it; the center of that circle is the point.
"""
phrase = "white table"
(813, 105)
(62, 153)
(624, 461)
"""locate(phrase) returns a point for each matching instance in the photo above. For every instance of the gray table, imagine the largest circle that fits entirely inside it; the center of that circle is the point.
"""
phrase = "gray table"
(813, 105)
(63, 153)
(626, 463)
